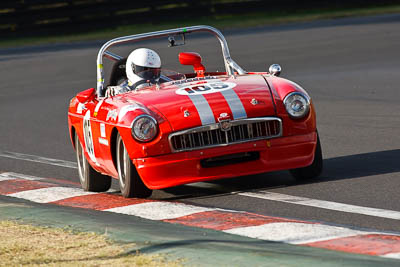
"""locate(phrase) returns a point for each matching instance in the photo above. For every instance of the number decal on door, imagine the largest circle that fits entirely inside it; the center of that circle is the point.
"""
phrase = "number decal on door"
(88, 136)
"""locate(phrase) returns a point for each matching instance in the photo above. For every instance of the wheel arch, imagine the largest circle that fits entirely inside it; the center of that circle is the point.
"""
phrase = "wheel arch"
(73, 136)
(113, 146)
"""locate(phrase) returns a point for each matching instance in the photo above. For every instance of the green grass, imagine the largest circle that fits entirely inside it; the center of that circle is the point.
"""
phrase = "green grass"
(220, 22)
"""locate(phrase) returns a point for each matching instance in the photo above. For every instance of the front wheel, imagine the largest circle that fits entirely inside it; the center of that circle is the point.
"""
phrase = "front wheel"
(312, 171)
(130, 183)
(90, 179)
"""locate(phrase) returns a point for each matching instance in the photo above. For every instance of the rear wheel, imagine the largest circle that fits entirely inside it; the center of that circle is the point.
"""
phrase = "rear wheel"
(129, 180)
(90, 179)
(312, 171)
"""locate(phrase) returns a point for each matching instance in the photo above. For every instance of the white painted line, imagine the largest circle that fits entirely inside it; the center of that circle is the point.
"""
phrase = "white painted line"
(50, 194)
(111, 190)
(159, 210)
(322, 204)
(294, 233)
(3, 178)
(392, 255)
(13, 175)
(33, 158)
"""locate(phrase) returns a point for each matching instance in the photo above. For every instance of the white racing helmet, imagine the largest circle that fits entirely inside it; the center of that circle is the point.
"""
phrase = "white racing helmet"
(143, 64)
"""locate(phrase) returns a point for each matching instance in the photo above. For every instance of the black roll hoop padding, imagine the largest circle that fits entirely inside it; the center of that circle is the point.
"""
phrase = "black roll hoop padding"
(118, 72)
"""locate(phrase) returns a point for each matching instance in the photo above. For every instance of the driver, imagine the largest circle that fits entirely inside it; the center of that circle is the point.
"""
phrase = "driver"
(143, 68)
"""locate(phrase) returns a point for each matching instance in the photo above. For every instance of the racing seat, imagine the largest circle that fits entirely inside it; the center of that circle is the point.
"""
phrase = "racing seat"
(118, 74)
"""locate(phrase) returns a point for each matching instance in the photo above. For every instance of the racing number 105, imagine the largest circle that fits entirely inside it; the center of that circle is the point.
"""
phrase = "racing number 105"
(206, 87)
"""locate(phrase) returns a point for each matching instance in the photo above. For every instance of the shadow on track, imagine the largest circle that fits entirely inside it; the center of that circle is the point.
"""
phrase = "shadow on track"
(361, 165)
(346, 167)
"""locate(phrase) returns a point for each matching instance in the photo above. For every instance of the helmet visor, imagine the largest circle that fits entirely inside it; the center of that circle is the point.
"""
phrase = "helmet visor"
(147, 73)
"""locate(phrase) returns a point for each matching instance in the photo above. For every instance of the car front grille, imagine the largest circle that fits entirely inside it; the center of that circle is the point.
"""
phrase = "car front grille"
(226, 133)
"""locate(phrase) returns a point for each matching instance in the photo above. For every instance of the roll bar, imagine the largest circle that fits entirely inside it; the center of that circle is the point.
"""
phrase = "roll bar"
(230, 65)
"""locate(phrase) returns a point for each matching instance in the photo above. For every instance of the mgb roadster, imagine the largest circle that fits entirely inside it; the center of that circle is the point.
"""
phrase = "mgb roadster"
(191, 127)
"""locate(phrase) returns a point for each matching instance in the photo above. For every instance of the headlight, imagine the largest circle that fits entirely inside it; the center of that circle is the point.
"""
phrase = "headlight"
(297, 105)
(144, 128)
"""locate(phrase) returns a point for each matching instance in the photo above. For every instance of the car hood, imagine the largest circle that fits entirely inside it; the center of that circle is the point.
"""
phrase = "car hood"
(201, 101)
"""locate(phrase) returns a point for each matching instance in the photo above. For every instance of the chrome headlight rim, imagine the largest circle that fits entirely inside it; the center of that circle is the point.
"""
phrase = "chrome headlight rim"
(307, 103)
(135, 135)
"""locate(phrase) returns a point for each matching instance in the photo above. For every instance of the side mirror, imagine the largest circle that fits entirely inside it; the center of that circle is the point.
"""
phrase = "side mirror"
(193, 59)
(275, 69)
(172, 42)
(86, 95)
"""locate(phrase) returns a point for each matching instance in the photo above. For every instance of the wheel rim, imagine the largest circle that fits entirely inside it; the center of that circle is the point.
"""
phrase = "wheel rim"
(81, 166)
(122, 165)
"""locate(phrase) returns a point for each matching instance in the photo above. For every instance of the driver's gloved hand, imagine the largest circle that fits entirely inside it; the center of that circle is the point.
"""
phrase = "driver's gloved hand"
(112, 91)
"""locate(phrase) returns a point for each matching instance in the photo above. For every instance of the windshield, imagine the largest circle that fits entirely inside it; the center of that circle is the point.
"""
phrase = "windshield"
(171, 75)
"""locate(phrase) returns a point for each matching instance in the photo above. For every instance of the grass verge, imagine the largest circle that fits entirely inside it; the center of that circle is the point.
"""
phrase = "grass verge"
(28, 245)
(221, 22)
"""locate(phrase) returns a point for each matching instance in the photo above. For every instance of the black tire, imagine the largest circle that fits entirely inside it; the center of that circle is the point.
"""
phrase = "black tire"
(312, 171)
(130, 183)
(90, 179)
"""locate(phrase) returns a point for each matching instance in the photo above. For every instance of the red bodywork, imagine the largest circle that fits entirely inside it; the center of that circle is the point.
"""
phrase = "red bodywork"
(157, 164)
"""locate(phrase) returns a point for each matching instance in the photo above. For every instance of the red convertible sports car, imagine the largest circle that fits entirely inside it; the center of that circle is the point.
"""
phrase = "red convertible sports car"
(191, 127)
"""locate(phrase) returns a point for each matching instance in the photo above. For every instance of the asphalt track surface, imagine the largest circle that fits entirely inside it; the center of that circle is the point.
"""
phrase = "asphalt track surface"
(350, 67)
